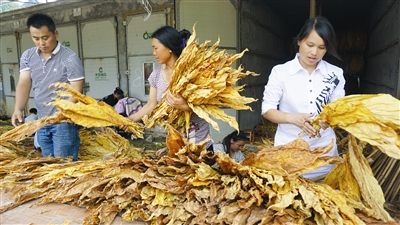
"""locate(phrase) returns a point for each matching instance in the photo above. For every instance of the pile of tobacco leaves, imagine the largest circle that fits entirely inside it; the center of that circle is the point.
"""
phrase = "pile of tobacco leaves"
(191, 185)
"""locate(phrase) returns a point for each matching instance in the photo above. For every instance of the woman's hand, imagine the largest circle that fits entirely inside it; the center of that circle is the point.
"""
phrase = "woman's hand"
(177, 101)
(304, 121)
(323, 124)
(161, 152)
(124, 127)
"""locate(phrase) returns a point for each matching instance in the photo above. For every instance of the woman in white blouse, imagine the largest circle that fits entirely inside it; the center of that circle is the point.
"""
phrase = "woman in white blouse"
(297, 90)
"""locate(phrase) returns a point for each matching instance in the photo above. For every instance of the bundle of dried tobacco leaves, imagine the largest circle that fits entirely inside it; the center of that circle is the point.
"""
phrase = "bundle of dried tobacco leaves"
(372, 118)
(87, 112)
(206, 80)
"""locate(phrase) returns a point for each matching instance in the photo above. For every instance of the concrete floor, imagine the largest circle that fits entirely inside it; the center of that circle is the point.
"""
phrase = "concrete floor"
(49, 213)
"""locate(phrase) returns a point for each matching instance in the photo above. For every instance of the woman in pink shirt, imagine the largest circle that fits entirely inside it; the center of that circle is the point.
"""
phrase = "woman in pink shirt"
(168, 44)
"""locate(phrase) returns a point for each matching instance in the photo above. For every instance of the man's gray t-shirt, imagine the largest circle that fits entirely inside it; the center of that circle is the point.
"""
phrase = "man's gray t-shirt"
(63, 66)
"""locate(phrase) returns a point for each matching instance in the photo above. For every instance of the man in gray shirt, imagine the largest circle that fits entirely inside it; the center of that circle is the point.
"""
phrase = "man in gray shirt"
(47, 63)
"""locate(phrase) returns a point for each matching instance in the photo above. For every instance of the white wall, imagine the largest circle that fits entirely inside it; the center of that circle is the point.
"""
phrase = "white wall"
(213, 19)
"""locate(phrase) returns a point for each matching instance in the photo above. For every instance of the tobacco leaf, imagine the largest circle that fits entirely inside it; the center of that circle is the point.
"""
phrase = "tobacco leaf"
(347, 182)
(90, 113)
(28, 129)
(371, 191)
(86, 112)
(292, 159)
(372, 118)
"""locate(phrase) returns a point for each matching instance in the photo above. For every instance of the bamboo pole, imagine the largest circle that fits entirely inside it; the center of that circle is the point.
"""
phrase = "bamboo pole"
(396, 189)
(381, 170)
(372, 154)
(395, 176)
(377, 160)
(312, 8)
(319, 10)
(378, 163)
(386, 171)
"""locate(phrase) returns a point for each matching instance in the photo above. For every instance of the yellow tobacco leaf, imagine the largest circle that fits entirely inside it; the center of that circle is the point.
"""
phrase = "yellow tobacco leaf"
(174, 141)
(292, 159)
(28, 129)
(347, 183)
(204, 112)
(95, 145)
(90, 113)
(371, 118)
(206, 172)
(232, 186)
(6, 155)
(334, 205)
(283, 201)
(164, 198)
(371, 191)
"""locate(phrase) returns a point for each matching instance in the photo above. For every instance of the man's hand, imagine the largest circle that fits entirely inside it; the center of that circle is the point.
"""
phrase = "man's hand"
(17, 118)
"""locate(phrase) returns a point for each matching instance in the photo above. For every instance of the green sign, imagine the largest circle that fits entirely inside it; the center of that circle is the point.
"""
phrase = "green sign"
(147, 35)
(100, 76)
(66, 43)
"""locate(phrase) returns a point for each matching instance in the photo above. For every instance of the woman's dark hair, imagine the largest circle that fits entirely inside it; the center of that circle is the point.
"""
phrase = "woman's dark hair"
(118, 91)
(235, 136)
(172, 39)
(324, 29)
(39, 20)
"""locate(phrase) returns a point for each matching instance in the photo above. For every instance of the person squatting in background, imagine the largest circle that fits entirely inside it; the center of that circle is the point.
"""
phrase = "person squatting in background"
(232, 145)
(112, 99)
(167, 45)
(32, 117)
(47, 63)
(302, 86)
